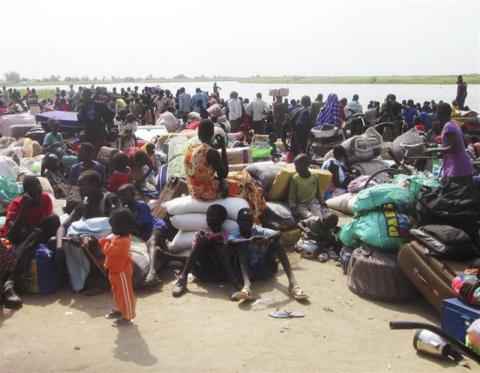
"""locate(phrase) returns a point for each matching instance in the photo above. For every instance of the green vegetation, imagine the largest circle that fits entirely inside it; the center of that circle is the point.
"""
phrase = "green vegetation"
(398, 79)
(394, 79)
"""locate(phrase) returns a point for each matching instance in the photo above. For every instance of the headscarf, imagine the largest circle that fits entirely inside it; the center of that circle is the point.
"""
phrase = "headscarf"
(330, 112)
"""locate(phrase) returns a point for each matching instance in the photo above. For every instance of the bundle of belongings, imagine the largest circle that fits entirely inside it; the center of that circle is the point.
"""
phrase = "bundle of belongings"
(382, 223)
(444, 244)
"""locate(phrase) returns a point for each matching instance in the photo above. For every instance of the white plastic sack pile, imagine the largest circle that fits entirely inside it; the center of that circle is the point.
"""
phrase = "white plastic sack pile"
(188, 215)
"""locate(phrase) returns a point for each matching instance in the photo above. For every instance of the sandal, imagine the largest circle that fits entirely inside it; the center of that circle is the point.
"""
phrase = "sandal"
(118, 323)
(283, 314)
(11, 300)
(244, 294)
(113, 314)
(180, 287)
(297, 293)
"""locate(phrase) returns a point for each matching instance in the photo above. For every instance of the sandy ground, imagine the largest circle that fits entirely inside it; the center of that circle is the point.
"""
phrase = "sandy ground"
(203, 331)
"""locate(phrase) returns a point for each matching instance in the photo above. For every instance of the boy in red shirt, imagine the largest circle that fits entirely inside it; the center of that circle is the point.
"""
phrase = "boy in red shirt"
(118, 262)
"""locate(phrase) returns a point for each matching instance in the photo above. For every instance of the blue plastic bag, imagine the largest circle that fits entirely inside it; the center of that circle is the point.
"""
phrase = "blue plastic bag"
(47, 275)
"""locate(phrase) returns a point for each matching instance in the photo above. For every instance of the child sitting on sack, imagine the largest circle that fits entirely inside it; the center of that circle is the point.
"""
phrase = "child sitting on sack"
(304, 196)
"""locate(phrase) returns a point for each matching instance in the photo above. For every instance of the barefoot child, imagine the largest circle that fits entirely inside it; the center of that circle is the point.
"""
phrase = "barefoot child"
(118, 262)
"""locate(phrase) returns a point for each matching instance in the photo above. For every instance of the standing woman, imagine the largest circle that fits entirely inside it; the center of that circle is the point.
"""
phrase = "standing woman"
(457, 165)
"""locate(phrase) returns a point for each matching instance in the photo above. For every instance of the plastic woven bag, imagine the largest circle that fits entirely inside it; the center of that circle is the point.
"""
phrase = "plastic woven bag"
(382, 195)
(9, 189)
(380, 229)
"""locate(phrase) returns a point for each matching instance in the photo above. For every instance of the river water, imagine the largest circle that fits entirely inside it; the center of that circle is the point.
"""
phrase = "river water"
(367, 92)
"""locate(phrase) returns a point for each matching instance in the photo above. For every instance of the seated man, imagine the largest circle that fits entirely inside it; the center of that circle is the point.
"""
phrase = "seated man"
(86, 153)
(209, 259)
(148, 228)
(256, 248)
(29, 221)
(304, 197)
(96, 204)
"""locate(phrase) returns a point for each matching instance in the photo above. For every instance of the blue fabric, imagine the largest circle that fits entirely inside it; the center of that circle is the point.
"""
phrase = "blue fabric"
(66, 118)
(410, 115)
(330, 112)
(426, 120)
(47, 275)
(96, 227)
(200, 96)
(258, 268)
(77, 264)
(143, 215)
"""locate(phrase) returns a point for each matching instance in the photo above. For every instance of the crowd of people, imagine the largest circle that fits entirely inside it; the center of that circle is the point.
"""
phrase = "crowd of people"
(106, 204)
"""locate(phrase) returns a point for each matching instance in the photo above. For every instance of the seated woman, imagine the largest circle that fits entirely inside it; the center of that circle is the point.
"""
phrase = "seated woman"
(256, 248)
(29, 221)
(96, 204)
(52, 170)
(207, 173)
(209, 259)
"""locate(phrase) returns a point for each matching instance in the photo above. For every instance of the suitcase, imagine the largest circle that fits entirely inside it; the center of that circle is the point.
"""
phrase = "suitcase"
(174, 188)
(19, 130)
(431, 276)
(457, 317)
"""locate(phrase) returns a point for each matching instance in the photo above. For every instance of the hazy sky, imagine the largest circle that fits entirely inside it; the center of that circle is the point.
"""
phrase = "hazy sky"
(241, 37)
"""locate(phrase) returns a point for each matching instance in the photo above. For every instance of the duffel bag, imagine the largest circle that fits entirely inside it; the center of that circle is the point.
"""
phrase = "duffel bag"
(446, 242)
(376, 275)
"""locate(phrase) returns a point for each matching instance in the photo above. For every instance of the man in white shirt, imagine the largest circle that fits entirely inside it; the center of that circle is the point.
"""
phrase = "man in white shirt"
(257, 109)
(234, 112)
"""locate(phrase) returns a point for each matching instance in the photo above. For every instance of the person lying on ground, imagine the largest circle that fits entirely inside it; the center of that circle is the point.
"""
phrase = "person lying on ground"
(257, 248)
(304, 196)
(86, 153)
(150, 229)
(209, 259)
(95, 204)
(29, 221)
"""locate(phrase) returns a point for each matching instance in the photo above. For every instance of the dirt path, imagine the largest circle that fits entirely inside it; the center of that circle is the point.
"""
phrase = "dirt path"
(203, 331)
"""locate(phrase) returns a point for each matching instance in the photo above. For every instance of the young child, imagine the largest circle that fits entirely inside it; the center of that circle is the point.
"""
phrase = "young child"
(154, 157)
(304, 197)
(118, 262)
(338, 166)
(54, 138)
(121, 174)
(209, 259)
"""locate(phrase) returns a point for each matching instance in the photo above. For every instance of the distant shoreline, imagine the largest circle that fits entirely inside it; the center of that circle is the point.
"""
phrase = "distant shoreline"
(399, 79)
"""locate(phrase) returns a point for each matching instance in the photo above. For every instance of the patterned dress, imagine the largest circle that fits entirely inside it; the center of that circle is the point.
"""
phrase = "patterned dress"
(204, 185)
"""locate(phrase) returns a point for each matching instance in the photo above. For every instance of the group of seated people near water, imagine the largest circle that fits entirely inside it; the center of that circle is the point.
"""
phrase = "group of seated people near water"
(93, 243)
